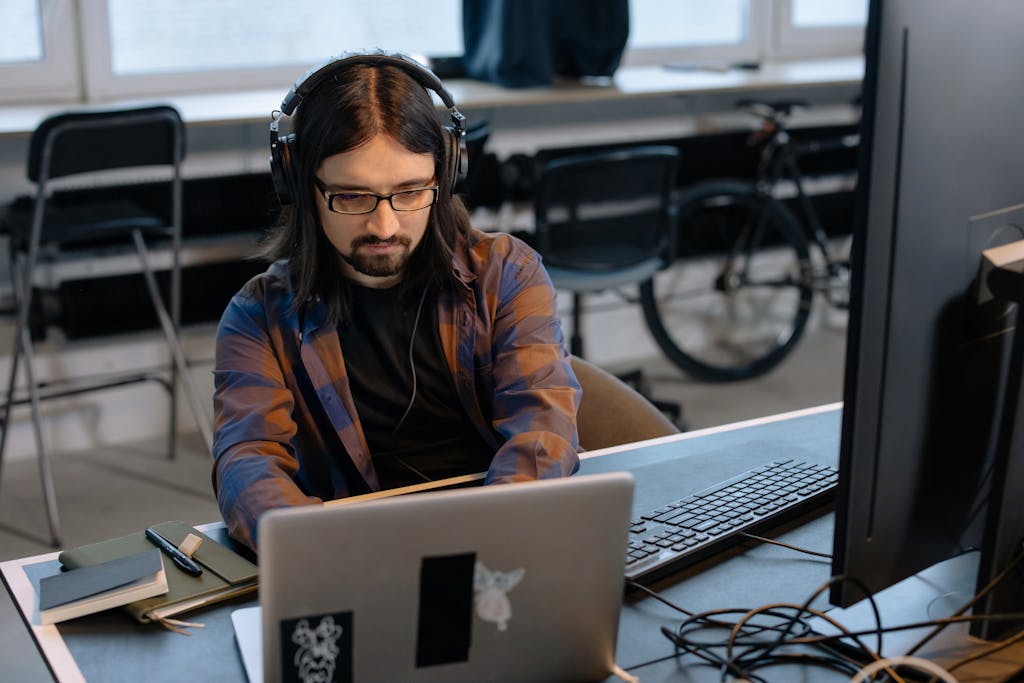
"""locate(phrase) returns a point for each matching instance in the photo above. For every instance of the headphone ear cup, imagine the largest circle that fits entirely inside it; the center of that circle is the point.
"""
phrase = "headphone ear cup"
(457, 158)
(282, 168)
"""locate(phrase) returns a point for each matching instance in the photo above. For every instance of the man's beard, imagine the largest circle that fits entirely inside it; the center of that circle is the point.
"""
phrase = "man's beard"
(378, 265)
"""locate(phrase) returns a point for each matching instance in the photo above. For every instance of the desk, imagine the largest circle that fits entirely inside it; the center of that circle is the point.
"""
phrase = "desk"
(111, 647)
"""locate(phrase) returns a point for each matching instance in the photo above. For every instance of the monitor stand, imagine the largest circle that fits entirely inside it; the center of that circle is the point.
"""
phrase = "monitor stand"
(934, 593)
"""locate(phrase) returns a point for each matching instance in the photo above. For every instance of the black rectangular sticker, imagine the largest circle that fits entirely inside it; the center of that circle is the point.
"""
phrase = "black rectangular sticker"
(446, 609)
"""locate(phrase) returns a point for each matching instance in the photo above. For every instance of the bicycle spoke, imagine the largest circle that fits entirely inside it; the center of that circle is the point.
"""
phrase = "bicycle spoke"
(737, 313)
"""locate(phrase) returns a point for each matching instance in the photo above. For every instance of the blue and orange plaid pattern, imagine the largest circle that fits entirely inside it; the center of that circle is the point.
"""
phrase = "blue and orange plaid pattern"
(287, 432)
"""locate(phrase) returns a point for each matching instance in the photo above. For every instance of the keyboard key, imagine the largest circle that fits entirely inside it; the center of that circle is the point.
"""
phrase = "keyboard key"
(679, 533)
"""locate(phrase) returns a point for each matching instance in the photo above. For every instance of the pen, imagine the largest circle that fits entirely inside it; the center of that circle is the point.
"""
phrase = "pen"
(186, 563)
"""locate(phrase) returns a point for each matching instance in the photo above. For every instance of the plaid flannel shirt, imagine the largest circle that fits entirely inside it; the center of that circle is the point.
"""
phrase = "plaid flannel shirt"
(287, 432)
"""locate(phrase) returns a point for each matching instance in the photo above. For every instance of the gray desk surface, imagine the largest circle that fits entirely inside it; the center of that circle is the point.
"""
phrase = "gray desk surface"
(665, 470)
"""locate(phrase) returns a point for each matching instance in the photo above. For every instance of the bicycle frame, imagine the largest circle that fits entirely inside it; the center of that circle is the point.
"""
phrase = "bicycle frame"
(779, 161)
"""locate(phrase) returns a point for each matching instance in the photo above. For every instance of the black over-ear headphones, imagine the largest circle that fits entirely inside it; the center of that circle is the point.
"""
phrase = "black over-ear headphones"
(282, 163)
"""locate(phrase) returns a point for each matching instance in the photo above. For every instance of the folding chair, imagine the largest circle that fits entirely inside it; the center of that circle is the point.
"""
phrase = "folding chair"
(80, 145)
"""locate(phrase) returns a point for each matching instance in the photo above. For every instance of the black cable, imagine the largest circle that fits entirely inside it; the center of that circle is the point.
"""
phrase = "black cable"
(703, 653)
(657, 596)
(804, 609)
(798, 549)
(652, 662)
(761, 654)
(747, 651)
(739, 666)
(748, 634)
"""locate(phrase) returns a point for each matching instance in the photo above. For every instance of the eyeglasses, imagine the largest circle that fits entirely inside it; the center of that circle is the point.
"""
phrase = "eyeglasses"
(412, 199)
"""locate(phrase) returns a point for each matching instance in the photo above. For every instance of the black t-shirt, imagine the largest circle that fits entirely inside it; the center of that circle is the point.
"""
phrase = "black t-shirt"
(435, 439)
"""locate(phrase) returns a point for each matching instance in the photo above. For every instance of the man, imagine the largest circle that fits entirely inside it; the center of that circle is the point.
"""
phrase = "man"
(389, 343)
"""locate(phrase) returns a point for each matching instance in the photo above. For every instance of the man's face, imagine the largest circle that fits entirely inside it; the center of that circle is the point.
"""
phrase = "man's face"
(374, 247)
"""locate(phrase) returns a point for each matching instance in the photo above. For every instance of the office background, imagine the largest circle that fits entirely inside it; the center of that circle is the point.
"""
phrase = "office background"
(110, 465)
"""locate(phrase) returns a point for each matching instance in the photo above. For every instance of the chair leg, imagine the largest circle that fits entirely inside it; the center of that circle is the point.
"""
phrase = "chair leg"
(576, 340)
(12, 379)
(175, 317)
(177, 355)
(12, 373)
(45, 468)
(23, 347)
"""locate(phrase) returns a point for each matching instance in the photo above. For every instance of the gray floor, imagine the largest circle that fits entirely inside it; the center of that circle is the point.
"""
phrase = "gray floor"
(122, 489)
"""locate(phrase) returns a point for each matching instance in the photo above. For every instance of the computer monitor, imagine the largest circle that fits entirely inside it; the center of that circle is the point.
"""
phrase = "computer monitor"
(941, 179)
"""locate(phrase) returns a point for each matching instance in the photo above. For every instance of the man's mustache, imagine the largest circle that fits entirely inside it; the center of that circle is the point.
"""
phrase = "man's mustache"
(403, 240)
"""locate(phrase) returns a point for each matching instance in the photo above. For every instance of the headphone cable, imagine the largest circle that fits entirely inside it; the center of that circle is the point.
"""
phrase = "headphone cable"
(412, 362)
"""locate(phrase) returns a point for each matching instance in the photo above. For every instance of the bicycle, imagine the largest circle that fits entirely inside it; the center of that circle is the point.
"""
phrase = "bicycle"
(738, 295)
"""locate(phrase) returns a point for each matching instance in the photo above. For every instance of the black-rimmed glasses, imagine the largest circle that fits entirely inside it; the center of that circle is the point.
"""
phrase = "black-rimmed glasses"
(413, 199)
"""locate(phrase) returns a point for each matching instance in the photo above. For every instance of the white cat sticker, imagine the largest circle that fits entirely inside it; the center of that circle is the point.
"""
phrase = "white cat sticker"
(490, 593)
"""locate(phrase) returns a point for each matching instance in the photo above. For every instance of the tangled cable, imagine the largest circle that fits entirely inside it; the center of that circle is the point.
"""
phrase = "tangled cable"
(741, 642)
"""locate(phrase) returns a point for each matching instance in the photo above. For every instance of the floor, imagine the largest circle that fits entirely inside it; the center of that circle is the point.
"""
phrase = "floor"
(121, 488)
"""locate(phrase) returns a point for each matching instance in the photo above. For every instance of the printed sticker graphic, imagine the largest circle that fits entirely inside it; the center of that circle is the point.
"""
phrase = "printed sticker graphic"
(490, 590)
(317, 649)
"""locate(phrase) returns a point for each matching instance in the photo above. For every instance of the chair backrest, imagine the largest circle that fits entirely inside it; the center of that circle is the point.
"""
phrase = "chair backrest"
(76, 142)
(606, 210)
(613, 413)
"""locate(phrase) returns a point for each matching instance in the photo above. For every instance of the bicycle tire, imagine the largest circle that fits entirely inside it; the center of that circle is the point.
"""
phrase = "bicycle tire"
(735, 301)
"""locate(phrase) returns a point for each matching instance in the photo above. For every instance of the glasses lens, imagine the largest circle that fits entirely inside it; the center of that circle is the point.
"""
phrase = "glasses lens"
(412, 199)
(353, 203)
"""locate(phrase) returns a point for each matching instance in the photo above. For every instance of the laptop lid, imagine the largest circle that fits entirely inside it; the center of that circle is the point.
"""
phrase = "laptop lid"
(518, 582)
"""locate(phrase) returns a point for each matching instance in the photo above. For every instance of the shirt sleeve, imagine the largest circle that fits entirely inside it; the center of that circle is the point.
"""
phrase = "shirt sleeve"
(536, 392)
(254, 460)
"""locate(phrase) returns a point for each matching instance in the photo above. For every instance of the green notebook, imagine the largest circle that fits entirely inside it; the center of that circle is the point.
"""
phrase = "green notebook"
(225, 572)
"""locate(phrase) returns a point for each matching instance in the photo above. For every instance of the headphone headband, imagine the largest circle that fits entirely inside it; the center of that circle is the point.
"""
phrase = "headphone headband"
(312, 78)
(282, 164)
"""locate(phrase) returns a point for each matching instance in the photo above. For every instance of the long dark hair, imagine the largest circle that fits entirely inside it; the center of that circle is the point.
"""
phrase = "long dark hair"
(348, 109)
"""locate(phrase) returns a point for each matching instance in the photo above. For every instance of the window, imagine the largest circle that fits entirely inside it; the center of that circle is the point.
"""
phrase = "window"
(819, 27)
(661, 31)
(37, 54)
(22, 28)
(68, 50)
(156, 46)
(828, 14)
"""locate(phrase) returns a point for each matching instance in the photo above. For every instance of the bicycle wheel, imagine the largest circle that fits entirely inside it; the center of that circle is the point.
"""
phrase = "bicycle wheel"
(736, 300)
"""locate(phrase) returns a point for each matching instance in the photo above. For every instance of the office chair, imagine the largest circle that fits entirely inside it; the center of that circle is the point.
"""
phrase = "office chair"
(605, 220)
(84, 147)
(612, 413)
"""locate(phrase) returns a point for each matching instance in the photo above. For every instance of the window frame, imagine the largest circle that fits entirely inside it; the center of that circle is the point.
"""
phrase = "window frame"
(102, 84)
(77, 66)
(750, 49)
(791, 42)
(55, 77)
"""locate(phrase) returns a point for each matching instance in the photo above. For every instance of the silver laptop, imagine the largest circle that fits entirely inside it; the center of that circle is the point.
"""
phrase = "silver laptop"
(518, 582)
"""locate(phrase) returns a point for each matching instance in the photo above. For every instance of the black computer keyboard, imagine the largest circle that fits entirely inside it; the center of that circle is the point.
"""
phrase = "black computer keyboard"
(681, 533)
